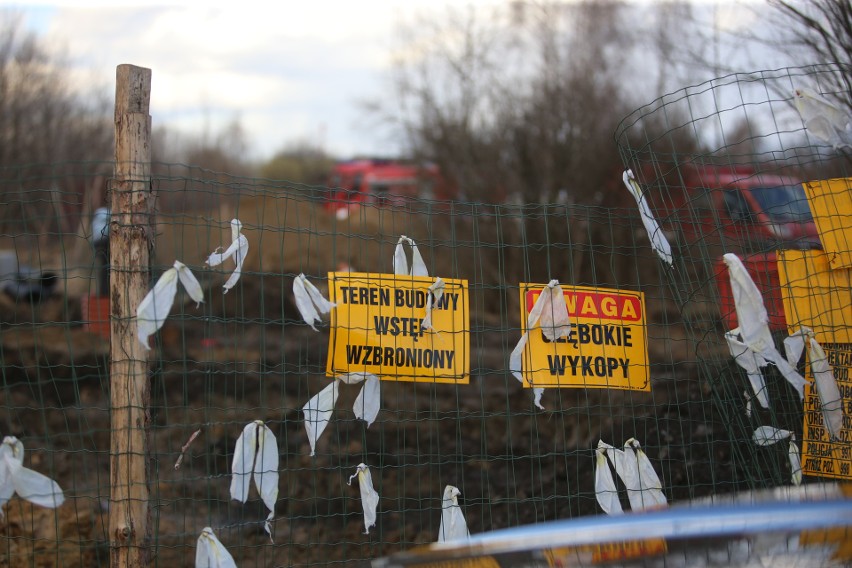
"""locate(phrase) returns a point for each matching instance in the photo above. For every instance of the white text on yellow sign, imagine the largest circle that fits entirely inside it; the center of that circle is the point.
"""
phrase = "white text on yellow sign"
(607, 346)
(377, 327)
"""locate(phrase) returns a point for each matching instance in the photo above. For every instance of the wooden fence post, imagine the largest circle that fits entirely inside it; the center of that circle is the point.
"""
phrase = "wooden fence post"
(130, 250)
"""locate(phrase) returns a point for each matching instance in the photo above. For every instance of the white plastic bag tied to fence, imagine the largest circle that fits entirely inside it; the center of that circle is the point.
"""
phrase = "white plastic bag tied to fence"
(318, 411)
(28, 484)
(310, 301)
(767, 435)
(606, 492)
(794, 344)
(550, 314)
(368, 401)
(369, 497)
(418, 268)
(433, 297)
(823, 119)
(237, 250)
(649, 493)
(211, 553)
(795, 461)
(644, 489)
(320, 407)
(400, 262)
(751, 362)
(453, 524)
(748, 403)
(156, 305)
(830, 400)
(256, 458)
(658, 239)
(754, 322)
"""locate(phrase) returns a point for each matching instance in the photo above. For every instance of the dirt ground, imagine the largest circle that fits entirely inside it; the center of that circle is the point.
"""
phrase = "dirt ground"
(246, 356)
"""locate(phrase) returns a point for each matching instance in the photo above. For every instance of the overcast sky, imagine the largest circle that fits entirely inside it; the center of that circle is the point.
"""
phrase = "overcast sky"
(287, 71)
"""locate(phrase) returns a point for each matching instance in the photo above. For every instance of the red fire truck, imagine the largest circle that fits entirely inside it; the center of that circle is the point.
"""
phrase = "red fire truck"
(710, 209)
(384, 182)
(743, 210)
(737, 209)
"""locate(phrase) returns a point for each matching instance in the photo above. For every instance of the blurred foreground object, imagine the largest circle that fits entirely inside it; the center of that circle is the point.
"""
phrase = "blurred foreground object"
(787, 526)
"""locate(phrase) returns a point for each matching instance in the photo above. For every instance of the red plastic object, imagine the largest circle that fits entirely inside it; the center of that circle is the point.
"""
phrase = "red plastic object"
(96, 313)
(763, 269)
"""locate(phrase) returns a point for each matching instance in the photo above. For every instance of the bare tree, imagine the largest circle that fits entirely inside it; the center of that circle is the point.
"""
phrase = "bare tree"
(824, 27)
(53, 139)
(226, 153)
(194, 172)
(445, 86)
(820, 31)
(44, 119)
(517, 104)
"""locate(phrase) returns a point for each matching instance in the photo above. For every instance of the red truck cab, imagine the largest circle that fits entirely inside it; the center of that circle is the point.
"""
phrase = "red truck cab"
(383, 182)
(743, 210)
(712, 210)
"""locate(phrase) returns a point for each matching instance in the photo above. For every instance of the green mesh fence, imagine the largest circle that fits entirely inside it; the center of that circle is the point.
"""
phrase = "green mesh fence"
(722, 165)
(249, 354)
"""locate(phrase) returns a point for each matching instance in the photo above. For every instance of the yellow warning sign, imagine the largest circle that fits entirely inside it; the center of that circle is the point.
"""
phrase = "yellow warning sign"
(378, 327)
(831, 204)
(820, 298)
(606, 348)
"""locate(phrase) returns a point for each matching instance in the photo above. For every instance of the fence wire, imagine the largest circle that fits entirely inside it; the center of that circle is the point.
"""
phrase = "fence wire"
(740, 166)
(248, 354)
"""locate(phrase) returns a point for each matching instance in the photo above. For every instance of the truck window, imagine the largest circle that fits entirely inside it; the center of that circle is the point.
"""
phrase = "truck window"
(736, 205)
(784, 203)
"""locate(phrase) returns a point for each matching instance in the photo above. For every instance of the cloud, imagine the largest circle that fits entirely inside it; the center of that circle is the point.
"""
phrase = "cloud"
(287, 70)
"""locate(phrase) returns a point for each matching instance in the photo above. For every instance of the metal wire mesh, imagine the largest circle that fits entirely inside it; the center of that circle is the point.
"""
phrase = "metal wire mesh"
(248, 354)
(711, 158)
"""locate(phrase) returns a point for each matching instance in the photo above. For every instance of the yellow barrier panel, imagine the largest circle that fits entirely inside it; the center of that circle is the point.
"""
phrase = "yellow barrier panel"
(831, 205)
(820, 298)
